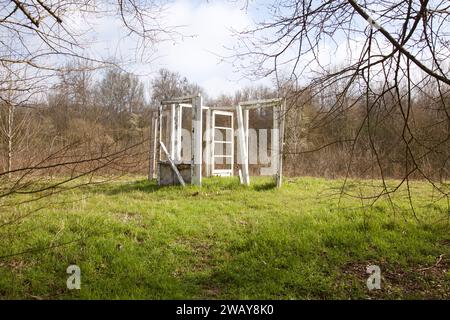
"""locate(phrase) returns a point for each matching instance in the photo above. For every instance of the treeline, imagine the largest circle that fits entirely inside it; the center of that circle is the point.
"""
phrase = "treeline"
(335, 131)
(105, 116)
(331, 134)
(88, 114)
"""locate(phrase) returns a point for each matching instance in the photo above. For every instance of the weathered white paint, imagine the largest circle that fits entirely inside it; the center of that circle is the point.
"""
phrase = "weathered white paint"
(242, 146)
(196, 161)
(246, 123)
(275, 148)
(173, 130)
(208, 139)
(281, 119)
(160, 115)
(227, 141)
(153, 147)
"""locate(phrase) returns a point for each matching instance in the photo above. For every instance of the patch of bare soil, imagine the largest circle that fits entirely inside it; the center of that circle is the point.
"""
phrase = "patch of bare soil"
(398, 282)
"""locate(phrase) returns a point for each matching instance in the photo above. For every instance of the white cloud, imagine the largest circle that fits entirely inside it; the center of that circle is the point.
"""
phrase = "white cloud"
(206, 27)
(198, 57)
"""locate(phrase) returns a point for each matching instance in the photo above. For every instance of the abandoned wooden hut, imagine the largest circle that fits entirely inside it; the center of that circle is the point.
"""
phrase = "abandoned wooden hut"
(191, 140)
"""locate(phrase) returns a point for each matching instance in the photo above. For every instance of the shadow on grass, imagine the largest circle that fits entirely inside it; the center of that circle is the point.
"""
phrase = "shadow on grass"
(139, 185)
(210, 183)
(264, 186)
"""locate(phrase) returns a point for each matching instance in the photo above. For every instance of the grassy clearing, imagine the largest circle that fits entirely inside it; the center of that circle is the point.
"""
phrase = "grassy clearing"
(133, 240)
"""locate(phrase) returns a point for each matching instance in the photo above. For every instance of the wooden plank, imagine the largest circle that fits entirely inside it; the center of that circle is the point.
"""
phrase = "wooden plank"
(172, 164)
(196, 160)
(246, 123)
(281, 143)
(160, 115)
(223, 108)
(208, 139)
(173, 130)
(232, 145)
(150, 149)
(261, 103)
(212, 146)
(189, 105)
(242, 146)
(153, 148)
(185, 99)
(249, 105)
(275, 141)
(178, 127)
(222, 113)
(223, 128)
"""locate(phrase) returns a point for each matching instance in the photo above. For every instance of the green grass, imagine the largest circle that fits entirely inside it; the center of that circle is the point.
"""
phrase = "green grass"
(134, 240)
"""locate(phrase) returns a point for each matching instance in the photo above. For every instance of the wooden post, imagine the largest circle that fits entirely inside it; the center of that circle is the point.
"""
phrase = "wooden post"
(281, 117)
(243, 149)
(208, 139)
(173, 130)
(196, 160)
(153, 147)
(246, 122)
(178, 126)
(160, 115)
(275, 141)
(211, 139)
(150, 149)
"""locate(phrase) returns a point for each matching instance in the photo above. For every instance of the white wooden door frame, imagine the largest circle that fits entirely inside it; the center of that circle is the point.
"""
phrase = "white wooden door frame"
(222, 172)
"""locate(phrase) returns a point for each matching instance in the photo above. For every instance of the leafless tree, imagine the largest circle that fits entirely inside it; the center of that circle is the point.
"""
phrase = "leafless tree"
(45, 37)
(39, 42)
(121, 91)
(168, 84)
(14, 121)
(394, 54)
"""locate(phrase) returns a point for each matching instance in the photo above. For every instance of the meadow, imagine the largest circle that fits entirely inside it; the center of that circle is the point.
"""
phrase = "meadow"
(135, 240)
